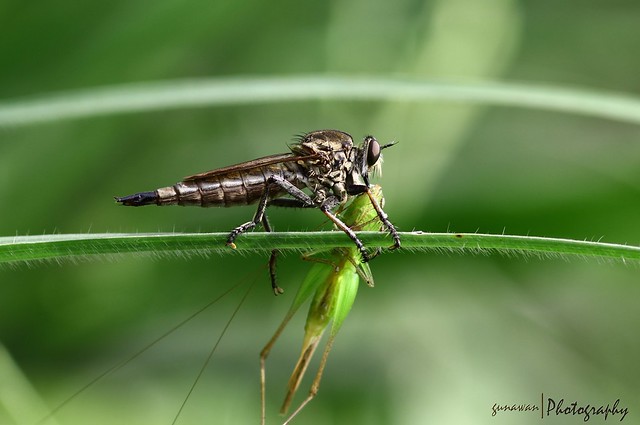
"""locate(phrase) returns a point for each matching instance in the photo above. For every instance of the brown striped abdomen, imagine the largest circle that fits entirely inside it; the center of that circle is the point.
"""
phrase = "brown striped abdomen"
(228, 189)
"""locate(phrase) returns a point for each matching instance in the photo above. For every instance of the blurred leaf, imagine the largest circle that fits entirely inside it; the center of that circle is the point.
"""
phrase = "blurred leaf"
(169, 95)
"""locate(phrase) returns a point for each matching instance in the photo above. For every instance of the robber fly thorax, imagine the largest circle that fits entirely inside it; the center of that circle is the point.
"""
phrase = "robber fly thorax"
(325, 162)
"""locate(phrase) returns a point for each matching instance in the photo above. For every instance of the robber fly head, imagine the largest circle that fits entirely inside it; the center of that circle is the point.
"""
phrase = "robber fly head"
(368, 159)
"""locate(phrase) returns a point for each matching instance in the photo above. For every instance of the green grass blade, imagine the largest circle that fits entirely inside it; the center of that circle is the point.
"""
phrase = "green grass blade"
(58, 248)
(178, 94)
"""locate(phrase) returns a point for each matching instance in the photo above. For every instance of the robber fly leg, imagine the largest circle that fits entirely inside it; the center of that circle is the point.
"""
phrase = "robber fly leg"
(272, 260)
(301, 199)
(363, 251)
(257, 218)
(272, 272)
(262, 205)
(289, 203)
(385, 220)
(304, 200)
(377, 252)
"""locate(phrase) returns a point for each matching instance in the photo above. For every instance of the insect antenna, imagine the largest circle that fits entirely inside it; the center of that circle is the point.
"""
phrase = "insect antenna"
(119, 365)
(212, 351)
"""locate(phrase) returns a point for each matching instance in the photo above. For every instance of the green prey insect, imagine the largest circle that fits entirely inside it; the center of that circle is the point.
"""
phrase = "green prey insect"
(332, 284)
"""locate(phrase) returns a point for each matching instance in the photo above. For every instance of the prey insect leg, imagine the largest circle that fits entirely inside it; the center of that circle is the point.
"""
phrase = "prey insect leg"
(315, 385)
(263, 360)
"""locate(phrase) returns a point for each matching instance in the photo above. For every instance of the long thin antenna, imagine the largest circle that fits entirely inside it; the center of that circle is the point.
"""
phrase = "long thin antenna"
(138, 353)
(212, 351)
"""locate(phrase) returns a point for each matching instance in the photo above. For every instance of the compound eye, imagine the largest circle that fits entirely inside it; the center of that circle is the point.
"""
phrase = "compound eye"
(373, 151)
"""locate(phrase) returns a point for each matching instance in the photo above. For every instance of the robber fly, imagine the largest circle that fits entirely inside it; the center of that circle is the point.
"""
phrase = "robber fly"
(325, 162)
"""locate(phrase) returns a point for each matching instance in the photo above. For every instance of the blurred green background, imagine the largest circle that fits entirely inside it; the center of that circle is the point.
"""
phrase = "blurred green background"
(442, 337)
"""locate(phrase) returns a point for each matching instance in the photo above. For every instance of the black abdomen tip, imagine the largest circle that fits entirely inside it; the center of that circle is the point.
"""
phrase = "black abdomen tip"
(139, 199)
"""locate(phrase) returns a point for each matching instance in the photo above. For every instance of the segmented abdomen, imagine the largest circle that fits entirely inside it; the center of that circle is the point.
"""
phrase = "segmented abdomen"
(229, 189)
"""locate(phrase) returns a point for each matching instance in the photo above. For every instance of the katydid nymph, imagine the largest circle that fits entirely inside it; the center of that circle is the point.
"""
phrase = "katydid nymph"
(332, 284)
